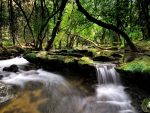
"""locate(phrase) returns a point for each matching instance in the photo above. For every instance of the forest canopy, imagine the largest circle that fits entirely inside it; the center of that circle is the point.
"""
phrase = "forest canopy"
(47, 24)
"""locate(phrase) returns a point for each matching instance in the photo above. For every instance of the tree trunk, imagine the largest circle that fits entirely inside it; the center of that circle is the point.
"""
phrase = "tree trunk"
(1, 18)
(54, 32)
(71, 43)
(107, 26)
(11, 20)
(55, 29)
(103, 36)
(60, 43)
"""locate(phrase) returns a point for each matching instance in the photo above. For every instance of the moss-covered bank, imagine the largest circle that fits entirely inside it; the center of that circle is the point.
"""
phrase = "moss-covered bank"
(137, 71)
(136, 74)
(62, 62)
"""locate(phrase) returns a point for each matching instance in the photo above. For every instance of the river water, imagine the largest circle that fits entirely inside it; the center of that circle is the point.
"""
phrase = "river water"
(40, 91)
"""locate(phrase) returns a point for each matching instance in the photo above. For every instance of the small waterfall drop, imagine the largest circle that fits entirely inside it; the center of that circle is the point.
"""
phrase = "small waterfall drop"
(107, 74)
(110, 91)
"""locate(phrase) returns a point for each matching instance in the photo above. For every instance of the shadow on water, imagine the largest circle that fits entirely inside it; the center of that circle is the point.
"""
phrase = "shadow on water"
(39, 91)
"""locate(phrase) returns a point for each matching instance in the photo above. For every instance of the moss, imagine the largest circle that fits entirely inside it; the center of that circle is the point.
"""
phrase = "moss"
(144, 105)
(85, 60)
(143, 45)
(30, 55)
(70, 51)
(70, 59)
(59, 57)
(94, 51)
(41, 54)
(134, 67)
(60, 61)
(139, 65)
(65, 59)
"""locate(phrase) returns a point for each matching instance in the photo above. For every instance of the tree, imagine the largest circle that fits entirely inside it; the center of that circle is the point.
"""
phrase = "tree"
(13, 21)
(143, 7)
(55, 29)
(108, 26)
(37, 16)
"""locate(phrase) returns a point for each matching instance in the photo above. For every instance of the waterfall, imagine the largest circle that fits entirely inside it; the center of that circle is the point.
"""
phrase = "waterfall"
(106, 74)
(40, 91)
(110, 91)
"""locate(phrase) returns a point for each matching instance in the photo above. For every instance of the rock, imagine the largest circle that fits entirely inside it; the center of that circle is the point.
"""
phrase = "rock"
(80, 51)
(1, 76)
(12, 68)
(72, 54)
(65, 51)
(102, 58)
(116, 55)
(146, 105)
(90, 54)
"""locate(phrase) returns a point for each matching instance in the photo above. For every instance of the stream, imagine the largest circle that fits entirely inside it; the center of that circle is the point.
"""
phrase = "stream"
(40, 91)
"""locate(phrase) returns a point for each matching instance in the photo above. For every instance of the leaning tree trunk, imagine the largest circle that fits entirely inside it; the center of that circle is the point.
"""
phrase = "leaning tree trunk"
(107, 26)
(54, 32)
(55, 29)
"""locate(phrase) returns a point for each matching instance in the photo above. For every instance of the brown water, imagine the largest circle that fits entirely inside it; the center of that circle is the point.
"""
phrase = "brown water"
(24, 102)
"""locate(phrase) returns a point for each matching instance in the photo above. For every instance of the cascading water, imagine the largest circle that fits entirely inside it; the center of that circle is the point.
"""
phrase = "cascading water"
(39, 91)
(107, 74)
(110, 91)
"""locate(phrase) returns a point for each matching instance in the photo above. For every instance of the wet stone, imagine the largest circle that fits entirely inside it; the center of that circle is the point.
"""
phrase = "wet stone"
(12, 68)
(1, 76)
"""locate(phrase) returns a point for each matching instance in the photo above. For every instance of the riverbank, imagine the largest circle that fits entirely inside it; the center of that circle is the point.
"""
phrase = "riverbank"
(78, 65)
(135, 80)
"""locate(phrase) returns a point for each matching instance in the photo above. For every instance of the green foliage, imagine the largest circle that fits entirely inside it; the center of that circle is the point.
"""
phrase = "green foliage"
(122, 13)
(7, 43)
(136, 67)
(145, 105)
(70, 59)
(30, 55)
(139, 65)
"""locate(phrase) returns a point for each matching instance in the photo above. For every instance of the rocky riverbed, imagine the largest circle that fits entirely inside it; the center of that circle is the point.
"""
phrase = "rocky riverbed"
(133, 69)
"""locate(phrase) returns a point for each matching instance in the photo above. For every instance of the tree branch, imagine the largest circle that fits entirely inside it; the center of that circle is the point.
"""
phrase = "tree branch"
(107, 26)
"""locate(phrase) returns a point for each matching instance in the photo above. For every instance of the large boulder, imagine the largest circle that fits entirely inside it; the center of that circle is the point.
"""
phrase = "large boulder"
(146, 105)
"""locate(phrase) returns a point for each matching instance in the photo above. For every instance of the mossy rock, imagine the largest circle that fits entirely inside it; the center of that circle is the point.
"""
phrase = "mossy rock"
(85, 60)
(65, 59)
(146, 105)
(139, 65)
(85, 63)
(31, 57)
(54, 61)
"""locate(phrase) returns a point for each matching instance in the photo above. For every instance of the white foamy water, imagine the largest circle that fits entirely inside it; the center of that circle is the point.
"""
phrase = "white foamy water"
(17, 61)
(22, 77)
(110, 91)
(107, 74)
(62, 98)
